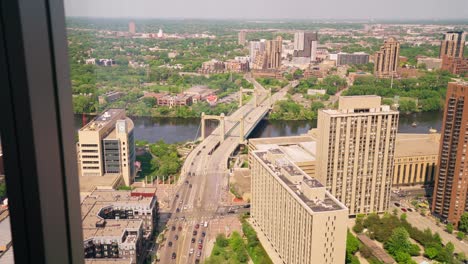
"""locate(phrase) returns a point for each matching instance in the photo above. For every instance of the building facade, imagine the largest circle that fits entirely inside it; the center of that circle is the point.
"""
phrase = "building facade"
(305, 45)
(455, 65)
(355, 152)
(416, 158)
(451, 183)
(273, 49)
(106, 146)
(350, 59)
(453, 44)
(301, 221)
(387, 58)
(241, 38)
(256, 47)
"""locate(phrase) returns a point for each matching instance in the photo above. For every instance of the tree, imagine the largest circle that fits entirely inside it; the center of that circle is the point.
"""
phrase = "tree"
(407, 105)
(449, 228)
(463, 225)
(403, 216)
(431, 252)
(2, 190)
(460, 235)
(450, 247)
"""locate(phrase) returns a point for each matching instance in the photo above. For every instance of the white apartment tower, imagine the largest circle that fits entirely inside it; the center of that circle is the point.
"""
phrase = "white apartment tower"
(356, 145)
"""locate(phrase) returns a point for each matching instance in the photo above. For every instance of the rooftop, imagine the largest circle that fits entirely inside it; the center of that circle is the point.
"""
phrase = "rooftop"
(98, 200)
(297, 148)
(416, 144)
(90, 183)
(103, 119)
(280, 166)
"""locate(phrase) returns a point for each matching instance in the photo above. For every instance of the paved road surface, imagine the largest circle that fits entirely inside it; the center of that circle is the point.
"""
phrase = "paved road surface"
(204, 180)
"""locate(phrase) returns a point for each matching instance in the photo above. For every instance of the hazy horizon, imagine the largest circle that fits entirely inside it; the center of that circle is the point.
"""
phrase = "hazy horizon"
(392, 10)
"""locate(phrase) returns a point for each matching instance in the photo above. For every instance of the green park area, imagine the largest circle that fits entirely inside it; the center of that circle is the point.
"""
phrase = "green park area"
(158, 160)
(239, 248)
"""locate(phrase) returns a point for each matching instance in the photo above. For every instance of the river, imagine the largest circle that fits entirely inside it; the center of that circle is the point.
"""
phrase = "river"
(173, 130)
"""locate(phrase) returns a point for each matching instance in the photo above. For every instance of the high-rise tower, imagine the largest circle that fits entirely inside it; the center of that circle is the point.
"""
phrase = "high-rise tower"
(453, 44)
(451, 183)
(386, 59)
(355, 149)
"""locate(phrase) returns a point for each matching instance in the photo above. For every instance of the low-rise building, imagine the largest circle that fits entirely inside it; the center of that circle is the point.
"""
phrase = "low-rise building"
(175, 100)
(350, 59)
(110, 97)
(199, 92)
(294, 214)
(212, 66)
(236, 66)
(430, 63)
(416, 158)
(118, 224)
(455, 65)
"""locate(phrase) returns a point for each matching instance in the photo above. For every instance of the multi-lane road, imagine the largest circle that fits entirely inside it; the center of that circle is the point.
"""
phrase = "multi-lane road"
(204, 181)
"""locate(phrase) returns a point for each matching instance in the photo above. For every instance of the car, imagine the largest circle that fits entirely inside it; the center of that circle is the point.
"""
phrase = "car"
(403, 209)
(231, 212)
(193, 240)
(197, 226)
(186, 182)
(204, 146)
(200, 246)
(199, 254)
(197, 261)
(410, 210)
(169, 244)
(174, 255)
(205, 224)
(397, 204)
(180, 228)
(177, 210)
(190, 186)
(194, 232)
(176, 237)
(247, 206)
(191, 251)
(177, 196)
(203, 234)
(200, 241)
(173, 228)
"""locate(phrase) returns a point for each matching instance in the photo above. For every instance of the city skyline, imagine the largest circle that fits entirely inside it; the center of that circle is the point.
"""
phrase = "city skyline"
(210, 9)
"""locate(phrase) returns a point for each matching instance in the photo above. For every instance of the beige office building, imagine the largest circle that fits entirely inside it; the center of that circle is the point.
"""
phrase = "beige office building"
(106, 146)
(355, 152)
(293, 213)
(387, 58)
(416, 158)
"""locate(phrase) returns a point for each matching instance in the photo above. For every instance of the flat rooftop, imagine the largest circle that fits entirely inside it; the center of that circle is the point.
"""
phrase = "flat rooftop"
(92, 204)
(316, 205)
(416, 144)
(103, 119)
(297, 149)
(91, 183)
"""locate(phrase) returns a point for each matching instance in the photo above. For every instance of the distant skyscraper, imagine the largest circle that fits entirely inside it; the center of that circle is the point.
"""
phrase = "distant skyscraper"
(305, 45)
(241, 37)
(132, 27)
(451, 183)
(453, 44)
(386, 60)
(273, 51)
(355, 152)
(256, 47)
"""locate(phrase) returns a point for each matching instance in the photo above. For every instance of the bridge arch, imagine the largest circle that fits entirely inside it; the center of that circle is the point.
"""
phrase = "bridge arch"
(246, 91)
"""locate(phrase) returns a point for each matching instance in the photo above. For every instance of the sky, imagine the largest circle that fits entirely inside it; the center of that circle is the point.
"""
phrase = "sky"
(272, 9)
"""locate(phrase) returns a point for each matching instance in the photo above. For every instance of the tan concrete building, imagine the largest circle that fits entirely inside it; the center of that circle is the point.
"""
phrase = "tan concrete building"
(299, 149)
(453, 44)
(416, 158)
(118, 224)
(387, 58)
(241, 38)
(106, 146)
(273, 49)
(451, 183)
(355, 152)
(299, 219)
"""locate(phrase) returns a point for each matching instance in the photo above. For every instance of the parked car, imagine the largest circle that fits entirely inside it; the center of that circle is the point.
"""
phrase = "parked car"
(410, 210)
(173, 228)
(200, 241)
(191, 251)
(247, 206)
(176, 237)
(174, 255)
(200, 246)
(193, 240)
(199, 254)
(169, 244)
(197, 226)
(403, 209)
(194, 232)
(203, 234)
(397, 204)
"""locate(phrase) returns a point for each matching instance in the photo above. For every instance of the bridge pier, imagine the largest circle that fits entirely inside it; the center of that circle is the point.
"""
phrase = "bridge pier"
(221, 120)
